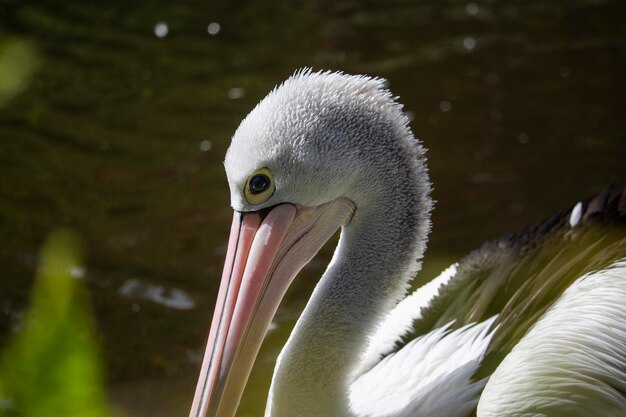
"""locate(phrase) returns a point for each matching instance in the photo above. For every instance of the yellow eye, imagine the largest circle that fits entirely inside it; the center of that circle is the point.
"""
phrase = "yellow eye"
(259, 187)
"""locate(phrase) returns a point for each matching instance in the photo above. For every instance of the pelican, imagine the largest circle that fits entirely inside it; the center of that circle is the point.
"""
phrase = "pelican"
(530, 324)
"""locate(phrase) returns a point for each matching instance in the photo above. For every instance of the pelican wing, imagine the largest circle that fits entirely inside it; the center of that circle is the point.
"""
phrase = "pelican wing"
(572, 362)
(431, 376)
(521, 274)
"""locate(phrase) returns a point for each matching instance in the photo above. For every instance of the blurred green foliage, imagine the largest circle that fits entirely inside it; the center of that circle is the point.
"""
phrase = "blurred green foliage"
(18, 61)
(52, 367)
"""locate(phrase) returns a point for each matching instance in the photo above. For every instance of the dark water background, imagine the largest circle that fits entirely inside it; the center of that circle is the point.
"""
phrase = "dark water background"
(115, 117)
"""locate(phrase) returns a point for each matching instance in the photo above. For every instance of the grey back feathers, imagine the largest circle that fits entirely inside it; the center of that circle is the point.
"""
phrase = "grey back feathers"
(521, 274)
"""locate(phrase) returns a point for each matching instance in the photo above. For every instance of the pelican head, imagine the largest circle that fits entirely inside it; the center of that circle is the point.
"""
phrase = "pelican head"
(322, 151)
(314, 134)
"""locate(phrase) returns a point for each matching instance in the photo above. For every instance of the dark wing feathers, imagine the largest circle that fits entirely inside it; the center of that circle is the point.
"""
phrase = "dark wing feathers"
(519, 275)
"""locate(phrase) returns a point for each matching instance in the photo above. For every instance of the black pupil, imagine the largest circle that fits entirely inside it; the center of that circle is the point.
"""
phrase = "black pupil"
(259, 183)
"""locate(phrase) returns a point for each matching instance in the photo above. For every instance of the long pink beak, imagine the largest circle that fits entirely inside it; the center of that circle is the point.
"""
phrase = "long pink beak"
(263, 258)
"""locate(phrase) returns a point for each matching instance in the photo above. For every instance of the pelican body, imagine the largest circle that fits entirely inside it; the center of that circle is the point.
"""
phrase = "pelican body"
(530, 324)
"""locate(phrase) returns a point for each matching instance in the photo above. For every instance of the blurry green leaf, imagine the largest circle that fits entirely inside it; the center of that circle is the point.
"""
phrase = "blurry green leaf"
(18, 62)
(52, 367)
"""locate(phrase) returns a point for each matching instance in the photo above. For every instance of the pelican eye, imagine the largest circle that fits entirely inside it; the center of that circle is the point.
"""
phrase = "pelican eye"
(260, 186)
(259, 183)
